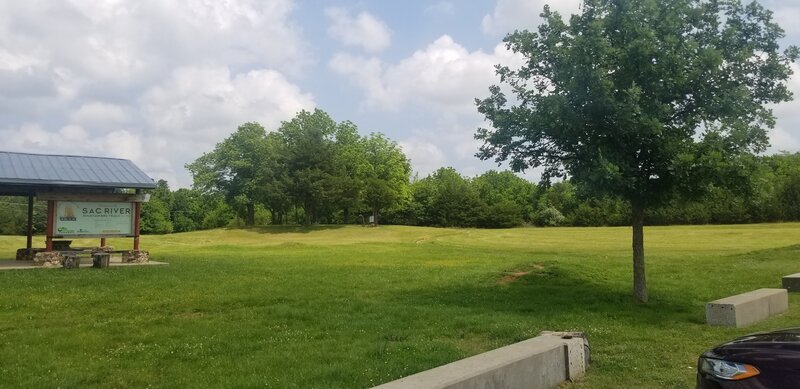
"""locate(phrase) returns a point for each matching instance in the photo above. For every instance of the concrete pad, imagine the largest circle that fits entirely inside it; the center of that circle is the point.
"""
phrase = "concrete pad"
(545, 361)
(747, 308)
(24, 265)
(792, 282)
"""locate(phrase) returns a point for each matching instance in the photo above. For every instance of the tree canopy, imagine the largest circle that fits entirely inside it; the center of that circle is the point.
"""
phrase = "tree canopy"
(641, 99)
(310, 164)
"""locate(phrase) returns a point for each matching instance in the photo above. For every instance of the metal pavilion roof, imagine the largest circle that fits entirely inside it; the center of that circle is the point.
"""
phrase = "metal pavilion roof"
(42, 170)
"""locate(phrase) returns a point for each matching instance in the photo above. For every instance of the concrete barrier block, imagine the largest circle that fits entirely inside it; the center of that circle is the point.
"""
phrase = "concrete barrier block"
(578, 352)
(545, 361)
(778, 302)
(792, 282)
(747, 308)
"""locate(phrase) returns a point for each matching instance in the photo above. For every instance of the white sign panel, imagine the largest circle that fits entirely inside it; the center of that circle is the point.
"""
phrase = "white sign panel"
(93, 218)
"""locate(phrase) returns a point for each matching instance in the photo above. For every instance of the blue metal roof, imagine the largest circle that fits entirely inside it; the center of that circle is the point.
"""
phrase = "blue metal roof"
(71, 171)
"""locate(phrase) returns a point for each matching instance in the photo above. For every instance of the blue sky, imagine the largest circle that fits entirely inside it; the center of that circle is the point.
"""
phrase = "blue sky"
(162, 82)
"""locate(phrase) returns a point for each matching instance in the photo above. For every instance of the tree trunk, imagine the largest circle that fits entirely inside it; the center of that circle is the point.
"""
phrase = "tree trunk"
(250, 218)
(347, 216)
(308, 213)
(375, 215)
(639, 277)
(277, 218)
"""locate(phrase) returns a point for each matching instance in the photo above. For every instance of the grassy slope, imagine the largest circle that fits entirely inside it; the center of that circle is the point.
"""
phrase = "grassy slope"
(354, 307)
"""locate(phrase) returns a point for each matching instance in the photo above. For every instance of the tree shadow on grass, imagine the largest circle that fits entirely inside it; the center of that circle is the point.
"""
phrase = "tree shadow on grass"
(770, 253)
(290, 229)
(554, 292)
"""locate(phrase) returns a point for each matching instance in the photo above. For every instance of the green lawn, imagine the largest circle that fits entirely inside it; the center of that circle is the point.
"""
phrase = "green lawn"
(355, 307)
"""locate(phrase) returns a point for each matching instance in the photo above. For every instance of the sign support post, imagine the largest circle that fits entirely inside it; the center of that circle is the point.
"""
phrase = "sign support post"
(51, 221)
(30, 221)
(137, 210)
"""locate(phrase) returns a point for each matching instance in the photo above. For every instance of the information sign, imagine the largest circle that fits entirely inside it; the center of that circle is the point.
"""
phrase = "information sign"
(93, 218)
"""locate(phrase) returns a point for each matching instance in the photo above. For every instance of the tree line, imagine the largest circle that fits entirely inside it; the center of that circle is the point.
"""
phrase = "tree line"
(497, 199)
(313, 170)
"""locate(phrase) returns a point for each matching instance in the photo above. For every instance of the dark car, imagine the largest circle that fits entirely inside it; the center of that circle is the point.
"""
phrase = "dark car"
(760, 360)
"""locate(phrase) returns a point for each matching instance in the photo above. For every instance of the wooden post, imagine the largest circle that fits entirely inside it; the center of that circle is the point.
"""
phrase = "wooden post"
(30, 221)
(102, 242)
(51, 222)
(137, 207)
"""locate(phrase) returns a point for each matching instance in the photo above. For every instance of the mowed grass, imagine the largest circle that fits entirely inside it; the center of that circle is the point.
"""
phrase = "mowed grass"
(353, 307)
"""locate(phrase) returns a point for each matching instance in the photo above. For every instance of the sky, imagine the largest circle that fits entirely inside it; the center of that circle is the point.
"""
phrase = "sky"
(162, 82)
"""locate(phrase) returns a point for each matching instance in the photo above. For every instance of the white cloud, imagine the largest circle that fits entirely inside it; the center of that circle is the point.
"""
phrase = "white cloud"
(425, 156)
(785, 136)
(443, 76)
(438, 83)
(199, 106)
(207, 103)
(74, 139)
(97, 114)
(444, 7)
(787, 15)
(509, 15)
(156, 82)
(364, 30)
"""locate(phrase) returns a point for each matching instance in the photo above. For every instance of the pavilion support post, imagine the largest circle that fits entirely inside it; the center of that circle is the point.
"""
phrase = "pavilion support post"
(51, 222)
(137, 210)
(30, 221)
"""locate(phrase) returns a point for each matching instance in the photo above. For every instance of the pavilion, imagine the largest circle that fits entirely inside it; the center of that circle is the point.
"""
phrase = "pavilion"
(87, 197)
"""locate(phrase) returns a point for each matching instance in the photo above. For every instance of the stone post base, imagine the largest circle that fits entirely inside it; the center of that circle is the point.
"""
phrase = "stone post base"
(100, 259)
(27, 254)
(103, 249)
(71, 261)
(48, 259)
(134, 256)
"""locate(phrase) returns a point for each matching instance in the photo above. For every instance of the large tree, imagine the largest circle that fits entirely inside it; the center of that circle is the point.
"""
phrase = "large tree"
(641, 99)
(387, 174)
(234, 168)
(309, 140)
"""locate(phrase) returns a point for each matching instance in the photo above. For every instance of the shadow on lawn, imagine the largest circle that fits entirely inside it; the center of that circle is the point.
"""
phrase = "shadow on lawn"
(770, 253)
(556, 294)
(291, 229)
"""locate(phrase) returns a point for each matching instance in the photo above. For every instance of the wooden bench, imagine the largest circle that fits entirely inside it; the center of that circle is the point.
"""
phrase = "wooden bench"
(747, 308)
(62, 245)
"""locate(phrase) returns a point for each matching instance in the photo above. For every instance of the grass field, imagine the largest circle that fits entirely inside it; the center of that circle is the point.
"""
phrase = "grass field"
(354, 307)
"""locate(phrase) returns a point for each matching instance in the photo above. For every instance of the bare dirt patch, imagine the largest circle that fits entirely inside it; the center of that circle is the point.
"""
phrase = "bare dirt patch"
(509, 277)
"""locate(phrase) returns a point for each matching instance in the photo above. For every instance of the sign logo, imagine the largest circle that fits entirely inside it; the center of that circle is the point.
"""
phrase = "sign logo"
(69, 214)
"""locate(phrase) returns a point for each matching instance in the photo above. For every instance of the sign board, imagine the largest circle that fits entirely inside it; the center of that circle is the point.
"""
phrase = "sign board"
(94, 218)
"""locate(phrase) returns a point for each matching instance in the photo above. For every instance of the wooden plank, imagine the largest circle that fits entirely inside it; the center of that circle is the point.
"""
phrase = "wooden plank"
(111, 197)
(94, 236)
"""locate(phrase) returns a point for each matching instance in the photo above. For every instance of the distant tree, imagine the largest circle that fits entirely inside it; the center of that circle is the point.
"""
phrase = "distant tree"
(562, 196)
(155, 217)
(233, 169)
(348, 169)
(516, 194)
(387, 174)
(273, 180)
(14, 215)
(785, 169)
(640, 99)
(187, 211)
(448, 200)
(309, 139)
